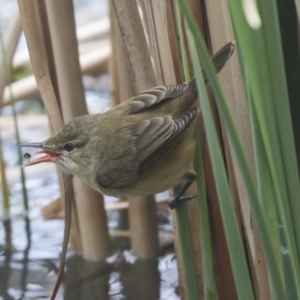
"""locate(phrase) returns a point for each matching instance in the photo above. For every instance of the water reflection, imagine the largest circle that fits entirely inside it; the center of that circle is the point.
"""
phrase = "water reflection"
(141, 280)
(121, 280)
(26, 274)
(21, 276)
(6, 251)
(24, 262)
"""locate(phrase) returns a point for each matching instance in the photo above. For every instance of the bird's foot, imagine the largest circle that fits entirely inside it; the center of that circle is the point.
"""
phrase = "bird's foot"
(175, 201)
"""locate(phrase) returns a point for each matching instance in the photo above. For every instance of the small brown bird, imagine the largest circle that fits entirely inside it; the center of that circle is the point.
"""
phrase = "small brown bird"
(140, 147)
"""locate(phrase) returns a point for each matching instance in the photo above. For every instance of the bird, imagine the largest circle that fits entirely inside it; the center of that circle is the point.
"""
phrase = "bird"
(143, 146)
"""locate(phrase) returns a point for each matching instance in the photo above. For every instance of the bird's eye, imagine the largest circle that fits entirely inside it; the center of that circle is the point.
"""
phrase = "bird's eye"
(69, 147)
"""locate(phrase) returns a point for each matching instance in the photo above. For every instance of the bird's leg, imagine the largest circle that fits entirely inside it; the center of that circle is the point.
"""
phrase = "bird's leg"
(174, 201)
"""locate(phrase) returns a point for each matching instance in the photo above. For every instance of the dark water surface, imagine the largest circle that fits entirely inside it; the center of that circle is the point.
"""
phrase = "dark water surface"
(29, 256)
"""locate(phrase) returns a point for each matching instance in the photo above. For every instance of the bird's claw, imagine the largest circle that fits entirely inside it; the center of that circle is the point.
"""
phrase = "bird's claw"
(175, 201)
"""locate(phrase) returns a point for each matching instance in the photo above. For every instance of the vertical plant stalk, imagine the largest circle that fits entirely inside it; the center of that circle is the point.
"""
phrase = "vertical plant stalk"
(238, 259)
(6, 63)
(126, 86)
(189, 237)
(236, 144)
(135, 44)
(165, 63)
(289, 20)
(214, 255)
(89, 203)
(189, 286)
(221, 31)
(148, 21)
(209, 285)
(185, 217)
(40, 56)
(171, 50)
(271, 105)
(180, 40)
(173, 41)
(10, 42)
(146, 286)
(290, 36)
(113, 62)
(143, 209)
(3, 182)
(221, 261)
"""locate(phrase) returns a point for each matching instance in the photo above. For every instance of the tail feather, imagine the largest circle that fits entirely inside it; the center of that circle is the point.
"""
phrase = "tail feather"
(219, 60)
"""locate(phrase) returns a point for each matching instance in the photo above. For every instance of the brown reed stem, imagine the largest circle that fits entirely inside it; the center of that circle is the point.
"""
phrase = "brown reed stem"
(143, 220)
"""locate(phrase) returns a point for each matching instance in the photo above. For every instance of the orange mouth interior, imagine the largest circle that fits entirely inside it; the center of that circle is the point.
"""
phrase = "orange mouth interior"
(49, 156)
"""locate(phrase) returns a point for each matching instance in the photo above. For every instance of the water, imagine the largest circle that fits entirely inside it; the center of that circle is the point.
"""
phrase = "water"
(30, 247)
(29, 262)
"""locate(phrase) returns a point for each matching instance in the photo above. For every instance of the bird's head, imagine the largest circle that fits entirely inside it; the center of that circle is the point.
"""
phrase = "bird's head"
(68, 148)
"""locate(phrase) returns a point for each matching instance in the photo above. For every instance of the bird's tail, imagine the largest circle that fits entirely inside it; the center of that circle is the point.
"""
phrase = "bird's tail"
(219, 60)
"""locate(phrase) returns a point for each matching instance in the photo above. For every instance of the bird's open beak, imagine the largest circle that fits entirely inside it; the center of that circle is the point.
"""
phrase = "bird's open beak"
(49, 155)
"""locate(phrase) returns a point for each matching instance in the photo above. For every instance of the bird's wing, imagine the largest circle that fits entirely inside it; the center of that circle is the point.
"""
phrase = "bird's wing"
(155, 137)
(120, 172)
(155, 95)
